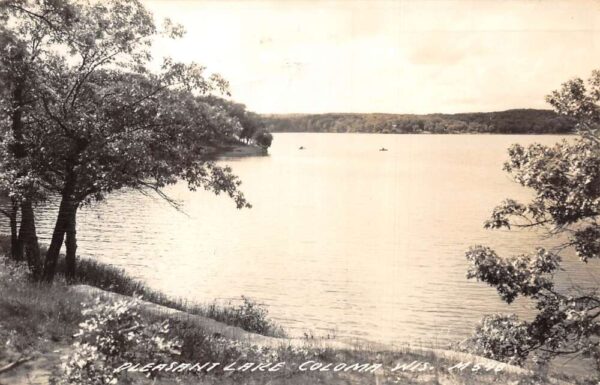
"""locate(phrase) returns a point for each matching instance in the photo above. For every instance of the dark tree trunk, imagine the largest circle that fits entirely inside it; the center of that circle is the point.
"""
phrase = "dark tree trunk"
(64, 222)
(16, 247)
(29, 239)
(58, 237)
(71, 244)
(18, 149)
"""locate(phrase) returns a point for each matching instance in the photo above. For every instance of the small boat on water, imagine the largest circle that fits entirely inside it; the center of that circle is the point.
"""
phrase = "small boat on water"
(383, 149)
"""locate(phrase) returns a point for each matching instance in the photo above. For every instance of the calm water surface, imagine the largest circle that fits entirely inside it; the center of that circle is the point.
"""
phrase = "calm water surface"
(342, 238)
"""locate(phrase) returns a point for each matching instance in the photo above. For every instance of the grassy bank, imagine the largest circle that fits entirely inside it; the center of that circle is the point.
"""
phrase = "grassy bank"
(247, 315)
(43, 325)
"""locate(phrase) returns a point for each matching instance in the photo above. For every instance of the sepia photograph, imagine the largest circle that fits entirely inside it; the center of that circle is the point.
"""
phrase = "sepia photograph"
(291, 192)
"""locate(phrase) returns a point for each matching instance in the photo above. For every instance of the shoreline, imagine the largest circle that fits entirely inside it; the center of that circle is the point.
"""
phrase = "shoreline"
(47, 348)
(429, 133)
(241, 151)
(238, 333)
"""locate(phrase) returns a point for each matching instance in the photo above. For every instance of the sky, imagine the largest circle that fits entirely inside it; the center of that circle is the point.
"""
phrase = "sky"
(402, 56)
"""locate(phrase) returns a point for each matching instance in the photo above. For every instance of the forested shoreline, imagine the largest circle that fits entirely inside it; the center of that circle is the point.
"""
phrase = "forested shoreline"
(517, 121)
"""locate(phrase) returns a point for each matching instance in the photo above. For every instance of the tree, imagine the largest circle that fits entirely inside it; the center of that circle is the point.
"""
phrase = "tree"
(565, 179)
(249, 122)
(104, 122)
(22, 45)
(263, 138)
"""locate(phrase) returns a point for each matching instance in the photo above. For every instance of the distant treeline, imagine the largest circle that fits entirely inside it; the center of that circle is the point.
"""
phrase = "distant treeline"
(519, 121)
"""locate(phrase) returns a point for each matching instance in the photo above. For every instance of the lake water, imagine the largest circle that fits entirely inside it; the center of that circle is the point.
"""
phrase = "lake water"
(343, 239)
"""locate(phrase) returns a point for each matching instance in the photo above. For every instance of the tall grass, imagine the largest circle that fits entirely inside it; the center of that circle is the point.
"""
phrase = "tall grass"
(30, 312)
(248, 315)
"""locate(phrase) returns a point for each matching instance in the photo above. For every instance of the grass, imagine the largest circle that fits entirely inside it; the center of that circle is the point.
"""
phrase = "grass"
(248, 315)
(30, 313)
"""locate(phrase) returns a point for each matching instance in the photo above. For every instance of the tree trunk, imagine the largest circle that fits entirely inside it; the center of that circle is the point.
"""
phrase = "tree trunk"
(58, 237)
(71, 244)
(16, 247)
(17, 148)
(64, 222)
(29, 239)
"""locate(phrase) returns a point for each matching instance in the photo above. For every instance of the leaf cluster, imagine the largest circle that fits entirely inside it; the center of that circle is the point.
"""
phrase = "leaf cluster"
(565, 181)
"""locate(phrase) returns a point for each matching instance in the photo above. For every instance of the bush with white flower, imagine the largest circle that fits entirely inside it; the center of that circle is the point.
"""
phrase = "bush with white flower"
(113, 333)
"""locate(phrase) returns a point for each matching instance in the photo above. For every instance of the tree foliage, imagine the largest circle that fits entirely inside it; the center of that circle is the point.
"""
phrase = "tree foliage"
(97, 119)
(249, 124)
(263, 138)
(565, 179)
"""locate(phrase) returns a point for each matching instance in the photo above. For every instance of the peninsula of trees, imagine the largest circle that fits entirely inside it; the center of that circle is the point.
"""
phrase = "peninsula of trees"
(519, 121)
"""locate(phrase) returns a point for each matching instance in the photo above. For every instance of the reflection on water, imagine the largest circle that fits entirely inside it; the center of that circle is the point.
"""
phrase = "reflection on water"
(342, 237)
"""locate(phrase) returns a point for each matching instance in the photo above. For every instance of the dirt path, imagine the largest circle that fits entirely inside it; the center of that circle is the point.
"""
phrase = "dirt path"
(37, 370)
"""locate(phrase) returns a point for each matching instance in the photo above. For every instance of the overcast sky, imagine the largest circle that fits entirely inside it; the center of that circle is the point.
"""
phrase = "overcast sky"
(387, 56)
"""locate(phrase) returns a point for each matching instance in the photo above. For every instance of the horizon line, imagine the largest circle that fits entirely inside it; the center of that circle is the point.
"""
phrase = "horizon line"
(404, 113)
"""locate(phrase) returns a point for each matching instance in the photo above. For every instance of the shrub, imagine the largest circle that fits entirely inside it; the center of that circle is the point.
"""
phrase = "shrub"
(249, 315)
(114, 332)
